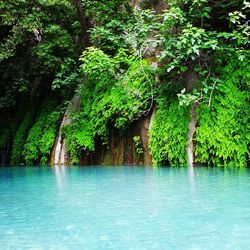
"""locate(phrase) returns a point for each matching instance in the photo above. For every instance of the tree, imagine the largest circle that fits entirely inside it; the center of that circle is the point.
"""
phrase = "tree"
(83, 21)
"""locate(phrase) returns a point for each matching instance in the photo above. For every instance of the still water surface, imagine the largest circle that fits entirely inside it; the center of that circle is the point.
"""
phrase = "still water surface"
(124, 208)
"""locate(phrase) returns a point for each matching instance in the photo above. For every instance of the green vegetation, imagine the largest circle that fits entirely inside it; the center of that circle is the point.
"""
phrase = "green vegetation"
(42, 135)
(223, 135)
(138, 145)
(36, 37)
(169, 134)
(35, 135)
(20, 137)
(116, 92)
(124, 60)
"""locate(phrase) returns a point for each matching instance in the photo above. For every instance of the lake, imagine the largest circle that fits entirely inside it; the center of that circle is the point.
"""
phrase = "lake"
(124, 207)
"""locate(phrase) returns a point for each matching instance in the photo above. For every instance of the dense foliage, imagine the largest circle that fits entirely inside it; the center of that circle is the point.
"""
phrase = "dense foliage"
(42, 135)
(169, 134)
(116, 92)
(20, 137)
(166, 55)
(36, 37)
(223, 135)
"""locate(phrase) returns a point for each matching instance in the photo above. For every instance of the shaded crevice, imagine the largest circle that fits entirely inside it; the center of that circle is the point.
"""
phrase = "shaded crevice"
(4, 154)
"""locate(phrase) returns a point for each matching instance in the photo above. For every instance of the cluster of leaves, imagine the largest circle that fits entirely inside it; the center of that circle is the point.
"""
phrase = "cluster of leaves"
(102, 11)
(142, 36)
(35, 135)
(117, 91)
(41, 137)
(168, 136)
(67, 79)
(223, 134)
(110, 19)
(184, 38)
(133, 29)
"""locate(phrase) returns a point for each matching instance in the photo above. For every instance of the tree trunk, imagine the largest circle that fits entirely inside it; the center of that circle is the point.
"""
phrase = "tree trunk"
(83, 22)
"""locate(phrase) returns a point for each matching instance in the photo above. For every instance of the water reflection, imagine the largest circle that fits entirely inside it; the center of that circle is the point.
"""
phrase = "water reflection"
(191, 177)
(60, 175)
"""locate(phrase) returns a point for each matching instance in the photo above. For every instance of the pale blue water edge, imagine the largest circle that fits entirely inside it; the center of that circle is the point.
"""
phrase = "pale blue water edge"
(124, 208)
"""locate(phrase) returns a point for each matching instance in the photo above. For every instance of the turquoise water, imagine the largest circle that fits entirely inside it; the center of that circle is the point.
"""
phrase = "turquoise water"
(124, 208)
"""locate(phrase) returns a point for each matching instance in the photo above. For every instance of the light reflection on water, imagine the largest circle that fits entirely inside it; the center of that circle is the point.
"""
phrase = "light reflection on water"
(124, 208)
(60, 175)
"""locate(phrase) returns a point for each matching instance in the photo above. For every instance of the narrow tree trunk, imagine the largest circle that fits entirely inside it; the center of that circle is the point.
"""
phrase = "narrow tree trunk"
(83, 21)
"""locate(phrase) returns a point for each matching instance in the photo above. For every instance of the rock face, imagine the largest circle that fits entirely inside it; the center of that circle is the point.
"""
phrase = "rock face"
(191, 82)
(157, 5)
(121, 148)
(136, 3)
(59, 155)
